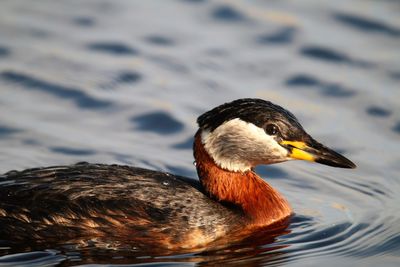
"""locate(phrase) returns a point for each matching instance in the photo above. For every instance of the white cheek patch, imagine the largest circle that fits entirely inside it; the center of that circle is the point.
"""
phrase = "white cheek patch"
(237, 145)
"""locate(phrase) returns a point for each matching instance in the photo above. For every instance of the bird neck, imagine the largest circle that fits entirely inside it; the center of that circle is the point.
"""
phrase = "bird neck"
(261, 203)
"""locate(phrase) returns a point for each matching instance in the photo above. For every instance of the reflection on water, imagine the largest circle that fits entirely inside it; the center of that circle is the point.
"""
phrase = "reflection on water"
(158, 122)
(282, 36)
(114, 48)
(81, 99)
(123, 82)
(367, 24)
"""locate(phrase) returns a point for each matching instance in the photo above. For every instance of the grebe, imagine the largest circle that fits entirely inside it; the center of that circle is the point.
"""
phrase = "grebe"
(108, 204)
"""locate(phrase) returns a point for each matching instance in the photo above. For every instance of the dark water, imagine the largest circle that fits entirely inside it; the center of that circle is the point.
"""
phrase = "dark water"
(123, 82)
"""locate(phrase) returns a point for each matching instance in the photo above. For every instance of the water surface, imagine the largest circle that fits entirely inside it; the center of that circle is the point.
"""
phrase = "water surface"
(124, 81)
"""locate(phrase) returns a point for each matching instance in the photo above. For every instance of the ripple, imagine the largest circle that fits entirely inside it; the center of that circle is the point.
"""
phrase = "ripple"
(6, 130)
(37, 258)
(114, 48)
(283, 36)
(72, 151)
(309, 240)
(158, 122)
(171, 63)
(227, 13)
(337, 90)
(39, 33)
(396, 128)
(371, 187)
(325, 54)
(84, 21)
(160, 40)
(300, 220)
(329, 240)
(366, 243)
(392, 244)
(377, 111)
(332, 56)
(77, 95)
(365, 191)
(186, 144)
(4, 51)
(122, 78)
(321, 237)
(367, 24)
(128, 77)
(302, 80)
(395, 75)
(325, 88)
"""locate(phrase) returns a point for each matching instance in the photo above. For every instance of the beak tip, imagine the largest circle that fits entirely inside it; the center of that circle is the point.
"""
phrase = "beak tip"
(342, 163)
(351, 165)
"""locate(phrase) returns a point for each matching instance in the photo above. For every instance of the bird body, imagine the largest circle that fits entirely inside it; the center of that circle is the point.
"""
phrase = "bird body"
(101, 202)
(112, 204)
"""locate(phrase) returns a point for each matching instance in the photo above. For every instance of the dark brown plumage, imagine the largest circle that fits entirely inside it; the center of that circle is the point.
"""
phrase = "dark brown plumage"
(107, 203)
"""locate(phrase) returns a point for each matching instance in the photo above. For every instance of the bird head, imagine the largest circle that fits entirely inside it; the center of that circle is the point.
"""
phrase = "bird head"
(248, 132)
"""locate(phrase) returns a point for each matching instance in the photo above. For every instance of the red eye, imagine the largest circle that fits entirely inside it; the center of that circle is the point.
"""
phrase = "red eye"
(271, 129)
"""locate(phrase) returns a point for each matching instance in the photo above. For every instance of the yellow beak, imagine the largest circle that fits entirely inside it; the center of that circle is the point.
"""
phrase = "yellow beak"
(316, 152)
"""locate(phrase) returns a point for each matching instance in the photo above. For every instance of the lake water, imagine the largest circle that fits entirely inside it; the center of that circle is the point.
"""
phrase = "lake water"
(124, 81)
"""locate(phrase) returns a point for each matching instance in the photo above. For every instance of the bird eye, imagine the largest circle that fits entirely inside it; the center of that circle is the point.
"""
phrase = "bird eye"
(272, 129)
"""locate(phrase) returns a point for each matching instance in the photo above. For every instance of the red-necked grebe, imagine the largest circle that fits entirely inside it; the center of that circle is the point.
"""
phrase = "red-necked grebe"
(113, 203)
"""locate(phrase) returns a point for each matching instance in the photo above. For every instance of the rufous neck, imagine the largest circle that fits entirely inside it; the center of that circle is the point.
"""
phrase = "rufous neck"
(261, 203)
